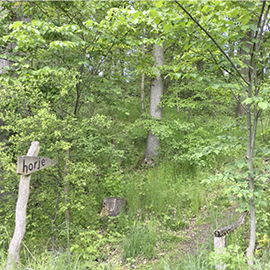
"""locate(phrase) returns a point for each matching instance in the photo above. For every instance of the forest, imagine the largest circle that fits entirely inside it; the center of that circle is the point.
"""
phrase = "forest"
(158, 107)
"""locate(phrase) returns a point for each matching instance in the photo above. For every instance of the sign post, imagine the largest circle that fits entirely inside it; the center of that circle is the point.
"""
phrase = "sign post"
(25, 166)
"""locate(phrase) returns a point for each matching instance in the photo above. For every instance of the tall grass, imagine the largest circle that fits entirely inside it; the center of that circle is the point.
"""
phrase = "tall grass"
(166, 192)
(46, 261)
(140, 241)
(202, 260)
(198, 261)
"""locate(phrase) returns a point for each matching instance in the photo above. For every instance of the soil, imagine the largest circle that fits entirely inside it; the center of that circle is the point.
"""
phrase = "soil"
(202, 235)
(196, 236)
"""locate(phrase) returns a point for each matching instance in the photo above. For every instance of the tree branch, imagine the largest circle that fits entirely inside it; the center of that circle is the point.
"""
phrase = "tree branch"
(234, 95)
(259, 22)
(238, 100)
(255, 46)
(95, 71)
(5, 59)
(222, 67)
(255, 122)
(215, 42)
(262, 27)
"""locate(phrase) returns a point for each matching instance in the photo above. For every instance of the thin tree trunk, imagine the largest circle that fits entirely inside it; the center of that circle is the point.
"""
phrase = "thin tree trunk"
(66, 187)
(66, 190)
(177, 106)
(53, 221)
(245, 70)
(252, 238)
(143, 87)
(142, 94)
(4, 63)
(78, 92)
(252, 128)
(153, 143)
(20, 217)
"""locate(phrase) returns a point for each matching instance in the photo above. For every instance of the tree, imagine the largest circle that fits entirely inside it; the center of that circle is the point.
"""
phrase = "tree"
(156, 91)
(57, 92)
(254, 104)
(79, 81)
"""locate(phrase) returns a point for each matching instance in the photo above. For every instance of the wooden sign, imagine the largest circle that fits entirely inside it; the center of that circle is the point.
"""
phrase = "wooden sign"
(27, 165)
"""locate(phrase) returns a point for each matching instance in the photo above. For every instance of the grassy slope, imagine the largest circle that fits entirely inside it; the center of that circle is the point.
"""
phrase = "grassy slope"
(171, 218)
(181, 239)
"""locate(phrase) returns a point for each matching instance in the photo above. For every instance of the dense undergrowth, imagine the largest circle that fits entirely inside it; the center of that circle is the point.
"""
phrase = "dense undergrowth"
(83, 79)
(163, 200)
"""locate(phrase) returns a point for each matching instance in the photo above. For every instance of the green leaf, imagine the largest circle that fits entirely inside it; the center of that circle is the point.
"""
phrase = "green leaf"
(263, 105)
(246, 49)
(167, 27)
(206, 8)
(248, 101)
(5, 38)
(159, 4)
(154, 14)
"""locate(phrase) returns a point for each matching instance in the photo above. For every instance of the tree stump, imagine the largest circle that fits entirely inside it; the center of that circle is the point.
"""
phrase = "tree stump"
(220, 245)
(112, 206)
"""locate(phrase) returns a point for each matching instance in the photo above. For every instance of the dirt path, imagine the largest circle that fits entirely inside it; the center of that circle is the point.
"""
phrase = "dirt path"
(195, 236)
(203, 235)
(199, 235)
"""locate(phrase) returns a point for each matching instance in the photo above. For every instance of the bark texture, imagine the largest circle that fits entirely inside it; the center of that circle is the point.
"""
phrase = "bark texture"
(112, 206)
(20, 217)
(220, 245)
(226, 230)
(143, 87)
(245, 70)
(153, 143)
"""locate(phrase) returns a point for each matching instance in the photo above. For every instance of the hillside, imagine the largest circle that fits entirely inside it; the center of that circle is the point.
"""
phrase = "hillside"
(137, 128)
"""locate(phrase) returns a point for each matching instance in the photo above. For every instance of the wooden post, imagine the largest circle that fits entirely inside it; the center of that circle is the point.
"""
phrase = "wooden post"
(220, 234)
(220, 245)
(20, 218)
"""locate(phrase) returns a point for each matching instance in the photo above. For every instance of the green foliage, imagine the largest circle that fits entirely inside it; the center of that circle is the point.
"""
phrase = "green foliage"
(5, 238)
(232, 257)
(140, 241)
(197, 261)
(88, 244)
(134, 193)
(71, 79)
(49, 260)
(167, 193)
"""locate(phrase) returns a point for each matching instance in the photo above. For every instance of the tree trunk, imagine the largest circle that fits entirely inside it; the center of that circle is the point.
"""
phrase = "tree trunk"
(54, 220)
(241, 97)
(252, 238)
(153, 143)
(20, 217)
(113, 206)
(142, 87)
(4, 62)
(67, 211)
(252, 121)
(66, 187)
(142, 94)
